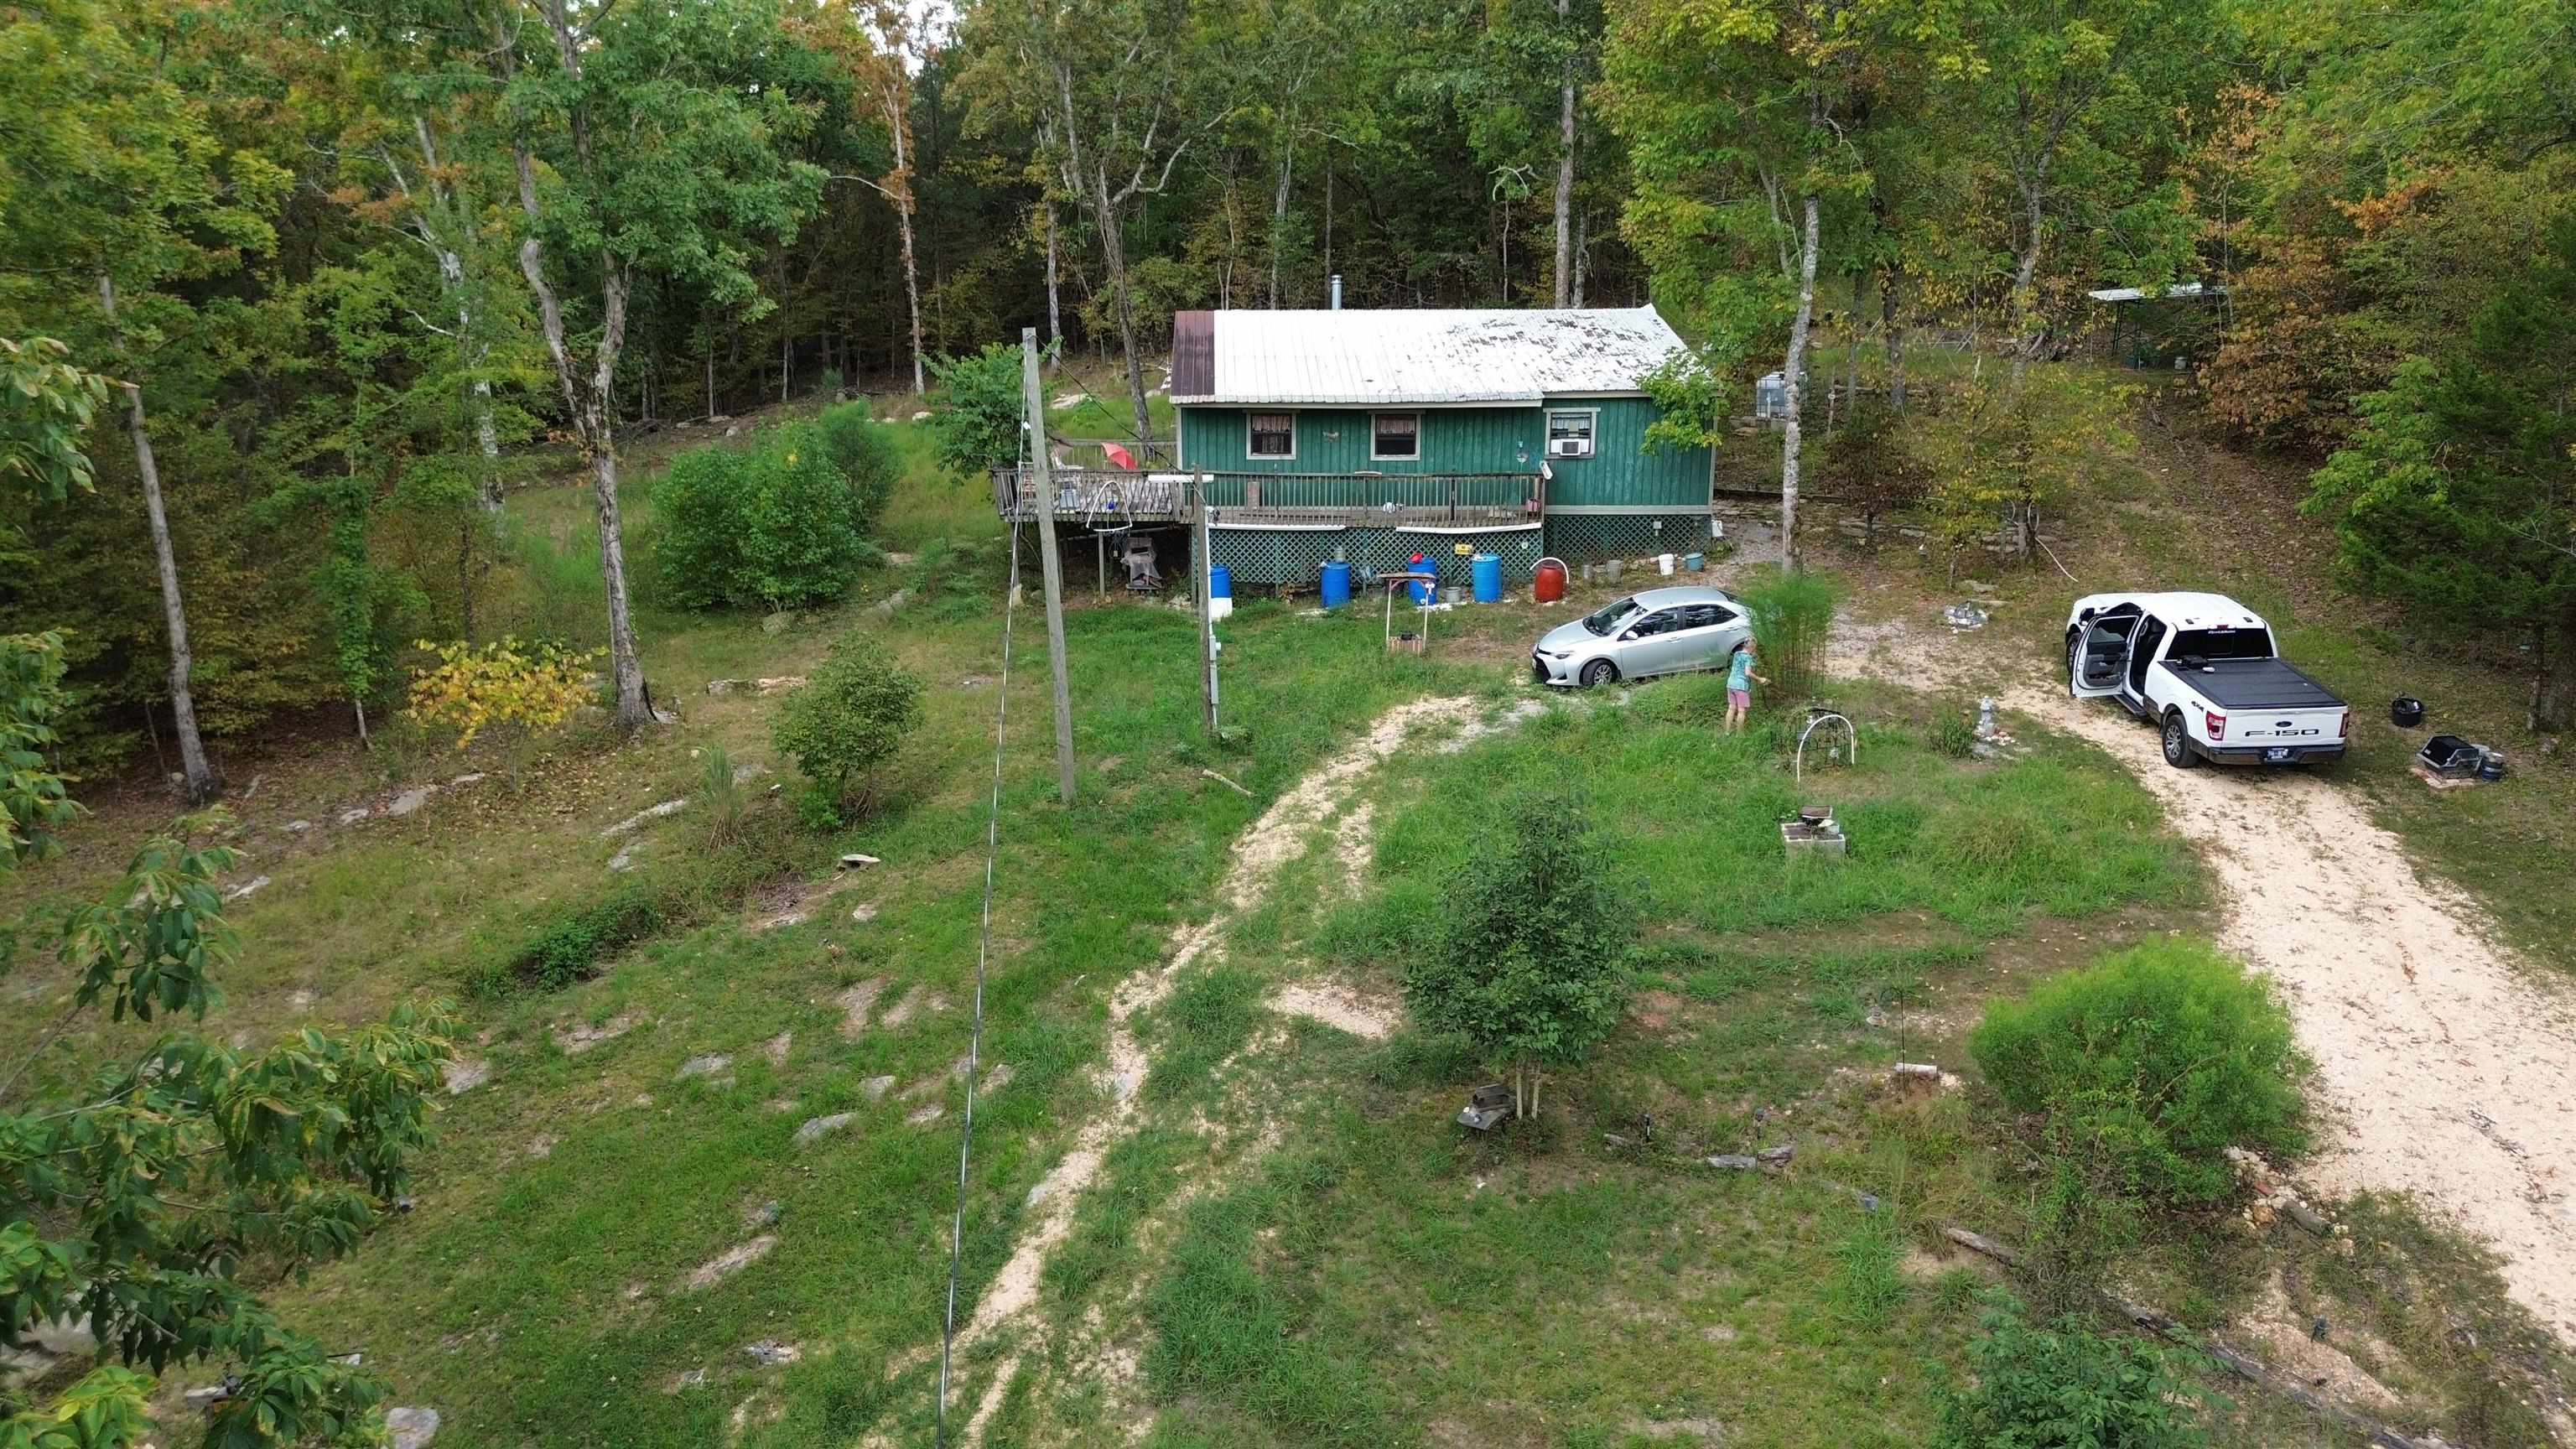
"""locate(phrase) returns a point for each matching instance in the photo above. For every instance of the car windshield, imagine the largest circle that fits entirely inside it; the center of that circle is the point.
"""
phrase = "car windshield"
(1607, 621)
(2221, 644)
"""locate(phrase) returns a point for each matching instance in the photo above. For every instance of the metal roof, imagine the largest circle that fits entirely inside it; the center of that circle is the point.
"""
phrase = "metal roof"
(2154, 294)
(1372, 357)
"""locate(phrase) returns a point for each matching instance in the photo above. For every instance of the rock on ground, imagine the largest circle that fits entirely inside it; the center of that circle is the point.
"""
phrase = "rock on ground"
(410, 1428)
(410, 800)
(465, 1074)
(707, 1065)
(816, 1129)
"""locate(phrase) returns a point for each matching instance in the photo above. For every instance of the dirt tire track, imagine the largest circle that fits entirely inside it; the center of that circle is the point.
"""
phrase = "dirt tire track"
(1279, 836)
(2446, 1067)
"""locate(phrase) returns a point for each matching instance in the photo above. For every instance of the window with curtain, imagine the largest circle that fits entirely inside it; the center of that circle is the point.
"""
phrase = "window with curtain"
(1274, 435)
(1395, 435)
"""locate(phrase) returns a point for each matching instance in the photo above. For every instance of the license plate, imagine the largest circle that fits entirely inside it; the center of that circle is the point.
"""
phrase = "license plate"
(2276, 755)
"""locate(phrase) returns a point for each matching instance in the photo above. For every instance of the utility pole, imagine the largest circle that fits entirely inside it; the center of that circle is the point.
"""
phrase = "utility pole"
(1051, 566)
(1203, 559)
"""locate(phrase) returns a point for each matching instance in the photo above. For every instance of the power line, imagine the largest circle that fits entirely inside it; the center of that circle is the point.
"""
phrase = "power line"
(983, 954)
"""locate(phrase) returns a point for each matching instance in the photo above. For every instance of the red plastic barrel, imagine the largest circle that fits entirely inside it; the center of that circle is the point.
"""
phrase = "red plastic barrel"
(1548, 584)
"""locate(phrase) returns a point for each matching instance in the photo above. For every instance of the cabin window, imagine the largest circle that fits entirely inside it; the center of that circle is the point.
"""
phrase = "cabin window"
(1274, 435)
(1395, 435)
(1574, 423)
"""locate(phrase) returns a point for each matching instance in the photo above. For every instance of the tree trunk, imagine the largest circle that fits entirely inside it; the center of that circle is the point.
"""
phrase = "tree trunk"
(1582, 252)
(1892, 333)
(2553, 682)
(1565, 171)
(2025, 298)
(197, 775)
(626, 671)
(1795, 388)
(1113, 251)
(899, 125)
(1279, 217)
(587, 403)
(1055, 304)
(471, 348)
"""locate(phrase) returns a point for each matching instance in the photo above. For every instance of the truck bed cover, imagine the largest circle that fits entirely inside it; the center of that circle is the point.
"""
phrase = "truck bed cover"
(2254, 684)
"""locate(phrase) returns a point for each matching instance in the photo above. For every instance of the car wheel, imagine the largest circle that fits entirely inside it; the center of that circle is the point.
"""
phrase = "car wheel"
(2178, 742)
(2074, 661)
(1598, 673)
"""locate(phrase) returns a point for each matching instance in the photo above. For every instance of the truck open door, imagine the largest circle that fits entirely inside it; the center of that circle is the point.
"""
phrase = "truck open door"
(2097, 652)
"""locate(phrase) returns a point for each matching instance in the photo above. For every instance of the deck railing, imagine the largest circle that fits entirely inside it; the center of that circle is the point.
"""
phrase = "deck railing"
(1288, 500)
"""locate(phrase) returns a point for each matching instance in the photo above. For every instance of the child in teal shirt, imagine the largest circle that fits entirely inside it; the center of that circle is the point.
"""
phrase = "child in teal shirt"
(1740, 680)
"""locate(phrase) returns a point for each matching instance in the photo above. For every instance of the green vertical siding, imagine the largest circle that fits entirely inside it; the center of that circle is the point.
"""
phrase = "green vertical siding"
(1334, 440)
(1620, 471)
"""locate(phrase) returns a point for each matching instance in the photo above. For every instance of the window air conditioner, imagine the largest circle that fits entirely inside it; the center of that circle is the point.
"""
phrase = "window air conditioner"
(1569, 447)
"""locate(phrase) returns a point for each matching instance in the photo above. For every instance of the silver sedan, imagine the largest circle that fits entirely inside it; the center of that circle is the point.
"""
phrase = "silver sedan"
(1660, 631)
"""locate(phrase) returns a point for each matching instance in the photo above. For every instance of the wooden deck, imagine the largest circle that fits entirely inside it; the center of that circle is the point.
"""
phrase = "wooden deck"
(1099, 498)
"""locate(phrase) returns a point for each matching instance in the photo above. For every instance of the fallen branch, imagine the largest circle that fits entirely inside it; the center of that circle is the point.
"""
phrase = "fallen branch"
(2243, 1365)
(1222, 780)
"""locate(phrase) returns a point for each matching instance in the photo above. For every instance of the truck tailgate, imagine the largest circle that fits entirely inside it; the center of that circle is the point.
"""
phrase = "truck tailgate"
(2266, 728)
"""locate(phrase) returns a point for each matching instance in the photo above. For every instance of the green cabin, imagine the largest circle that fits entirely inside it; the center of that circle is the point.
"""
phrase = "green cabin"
(1380, 436)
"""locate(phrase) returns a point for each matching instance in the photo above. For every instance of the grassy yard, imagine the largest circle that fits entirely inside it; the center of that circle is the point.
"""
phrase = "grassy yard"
(1295, 1244)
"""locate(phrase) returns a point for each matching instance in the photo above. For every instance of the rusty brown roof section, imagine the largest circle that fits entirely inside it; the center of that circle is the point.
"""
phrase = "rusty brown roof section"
(1193, 354)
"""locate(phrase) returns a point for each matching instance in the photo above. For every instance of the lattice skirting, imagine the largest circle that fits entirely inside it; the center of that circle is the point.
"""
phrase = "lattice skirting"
(1297, 556)
(1593, 537)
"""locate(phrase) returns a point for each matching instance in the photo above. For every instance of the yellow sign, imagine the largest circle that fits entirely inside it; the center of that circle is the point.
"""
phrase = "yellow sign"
(1465, 549)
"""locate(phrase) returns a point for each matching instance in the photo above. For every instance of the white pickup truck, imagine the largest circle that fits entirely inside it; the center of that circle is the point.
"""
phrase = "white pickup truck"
(2202, 667)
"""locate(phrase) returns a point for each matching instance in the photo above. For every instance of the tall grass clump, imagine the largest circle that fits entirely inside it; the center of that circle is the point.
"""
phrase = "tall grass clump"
(1793, 615)
(2159, 1058)
(775, 525)
(720, 799)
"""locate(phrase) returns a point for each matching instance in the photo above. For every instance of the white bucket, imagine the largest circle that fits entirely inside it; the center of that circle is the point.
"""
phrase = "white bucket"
(1664, 563)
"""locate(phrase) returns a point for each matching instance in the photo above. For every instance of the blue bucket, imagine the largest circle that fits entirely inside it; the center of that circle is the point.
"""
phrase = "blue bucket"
(1694, 562)
(1337, 584)
(1220, 582)
(1486, 571)
(1423, 592)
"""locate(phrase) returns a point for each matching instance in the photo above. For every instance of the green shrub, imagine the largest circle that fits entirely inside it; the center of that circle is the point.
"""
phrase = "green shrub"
(776, 525)
(2164, 1055)
(1529, 958)
(2064, 1386)
(572, 946)
(697, 519)
(845, 724)
(1952, 735)
(1792, 615)
(975, 424)
(865, 452)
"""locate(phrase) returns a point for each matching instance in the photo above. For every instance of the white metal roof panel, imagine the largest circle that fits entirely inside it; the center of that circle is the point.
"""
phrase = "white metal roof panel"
(1369, 357)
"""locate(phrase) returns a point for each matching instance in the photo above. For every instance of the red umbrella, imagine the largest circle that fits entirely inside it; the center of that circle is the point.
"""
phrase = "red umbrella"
(1118, 455)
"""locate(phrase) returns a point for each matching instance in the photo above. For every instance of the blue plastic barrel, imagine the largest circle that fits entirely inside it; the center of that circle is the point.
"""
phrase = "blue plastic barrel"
(1337, 584)
(1220, 582)
(1486, 572)
(1423, 591)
